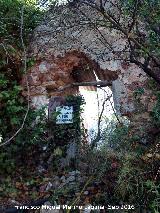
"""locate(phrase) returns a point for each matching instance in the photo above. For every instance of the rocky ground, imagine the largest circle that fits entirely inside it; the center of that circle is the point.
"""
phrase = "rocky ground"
(58, 189)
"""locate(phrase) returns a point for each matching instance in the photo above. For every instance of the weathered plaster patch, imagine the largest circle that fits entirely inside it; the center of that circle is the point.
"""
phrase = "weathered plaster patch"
(40, 101)
(43, 67)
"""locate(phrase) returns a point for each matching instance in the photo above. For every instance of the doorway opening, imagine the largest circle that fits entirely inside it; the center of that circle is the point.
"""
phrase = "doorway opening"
(98, 109)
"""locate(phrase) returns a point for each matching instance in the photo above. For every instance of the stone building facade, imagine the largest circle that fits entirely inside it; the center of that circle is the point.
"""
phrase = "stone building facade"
(70, 46)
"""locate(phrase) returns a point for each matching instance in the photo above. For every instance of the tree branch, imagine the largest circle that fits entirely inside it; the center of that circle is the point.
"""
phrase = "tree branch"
(132, 38)
(98, 137)
(112, 107)
(144, 66)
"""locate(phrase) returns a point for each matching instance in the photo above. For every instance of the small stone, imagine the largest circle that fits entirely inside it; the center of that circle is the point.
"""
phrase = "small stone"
(44, 148)
(56, 178)
(72, 173)
(14, 202)
(71, 151)
(42, 67)
(49, 186)
(154, 97)
(78, 172)
(71, 179)
(72, 183)
(86, 193)
(62, 185)
(63, 178)
(151, 106)
(43, 188)
(56, 182)
(41, 169)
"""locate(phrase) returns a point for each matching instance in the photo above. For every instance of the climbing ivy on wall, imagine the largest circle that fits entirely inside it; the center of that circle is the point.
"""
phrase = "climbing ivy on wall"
(63, 134)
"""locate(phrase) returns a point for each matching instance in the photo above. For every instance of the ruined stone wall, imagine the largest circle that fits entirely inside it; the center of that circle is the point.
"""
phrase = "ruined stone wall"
(67, 40)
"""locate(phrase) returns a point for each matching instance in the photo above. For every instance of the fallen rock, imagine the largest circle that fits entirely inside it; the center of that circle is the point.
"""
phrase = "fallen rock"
(63, 178)
(56, 183)
(41, 169)
(70, 179)
(76, 172)
(86, 193)
(49, 186)
(14, 202)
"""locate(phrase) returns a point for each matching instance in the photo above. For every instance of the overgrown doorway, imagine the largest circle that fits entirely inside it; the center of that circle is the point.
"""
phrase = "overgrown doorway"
(98, 109)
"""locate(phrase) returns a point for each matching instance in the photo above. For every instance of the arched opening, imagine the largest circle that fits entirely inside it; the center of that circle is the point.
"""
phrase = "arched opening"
(71, 74)
(99, 105)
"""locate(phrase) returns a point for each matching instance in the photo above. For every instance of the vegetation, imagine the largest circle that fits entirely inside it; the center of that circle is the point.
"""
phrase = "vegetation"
(137, 21)
(125, 169)
(16, 26)
(12, 109)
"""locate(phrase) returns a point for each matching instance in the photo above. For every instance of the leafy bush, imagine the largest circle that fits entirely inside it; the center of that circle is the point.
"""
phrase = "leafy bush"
(13, 106)
(127, 174)
(147, 12)
(28, 143)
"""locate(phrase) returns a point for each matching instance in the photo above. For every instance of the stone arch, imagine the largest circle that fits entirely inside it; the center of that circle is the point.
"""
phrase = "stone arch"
(62, 46)
(50, 74)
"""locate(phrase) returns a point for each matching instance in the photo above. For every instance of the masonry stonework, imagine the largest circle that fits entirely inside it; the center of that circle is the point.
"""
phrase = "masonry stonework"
(67, 49)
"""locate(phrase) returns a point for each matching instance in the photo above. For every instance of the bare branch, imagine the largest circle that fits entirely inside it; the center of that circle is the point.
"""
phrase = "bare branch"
(118, 26)
(112, 107)
(98, 137)
(144, 66)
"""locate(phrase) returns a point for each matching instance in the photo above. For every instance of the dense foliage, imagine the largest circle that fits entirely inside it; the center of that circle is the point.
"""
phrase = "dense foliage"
(125, 169)
(144, 23)
(12, 107)
(15, 28)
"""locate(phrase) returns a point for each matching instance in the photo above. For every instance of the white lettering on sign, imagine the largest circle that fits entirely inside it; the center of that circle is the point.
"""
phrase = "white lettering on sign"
(65, 115)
